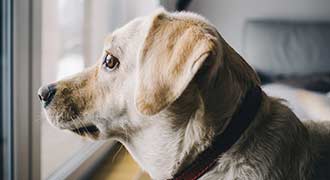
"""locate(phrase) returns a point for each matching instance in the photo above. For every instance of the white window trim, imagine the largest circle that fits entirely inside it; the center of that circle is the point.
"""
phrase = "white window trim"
(85, 161)
(26, 79)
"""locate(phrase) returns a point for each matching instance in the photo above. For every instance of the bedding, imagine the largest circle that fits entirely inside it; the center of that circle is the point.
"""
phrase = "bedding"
(319, 82)
(307, 105)
(292, 59)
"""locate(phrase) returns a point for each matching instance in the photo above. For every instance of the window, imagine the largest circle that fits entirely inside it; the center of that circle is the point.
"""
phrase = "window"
(72, 38)
(62, 55)
(43, 41)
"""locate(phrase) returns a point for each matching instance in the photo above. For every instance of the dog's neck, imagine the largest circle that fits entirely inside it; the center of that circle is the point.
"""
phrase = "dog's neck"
(167, 147)
(163, 150)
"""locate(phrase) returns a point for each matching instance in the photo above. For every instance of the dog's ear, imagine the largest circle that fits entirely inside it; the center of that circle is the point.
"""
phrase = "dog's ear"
(172, 53)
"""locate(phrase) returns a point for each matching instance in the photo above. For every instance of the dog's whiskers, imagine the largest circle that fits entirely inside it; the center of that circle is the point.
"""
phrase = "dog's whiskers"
(75, 125)
(116, 153)
(83, 125)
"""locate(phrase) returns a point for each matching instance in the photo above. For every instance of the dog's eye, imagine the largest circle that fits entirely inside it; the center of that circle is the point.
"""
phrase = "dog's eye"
(110, 62)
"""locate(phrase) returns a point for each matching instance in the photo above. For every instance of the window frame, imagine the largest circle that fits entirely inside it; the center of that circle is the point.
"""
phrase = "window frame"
(26, 80)
(5, 90)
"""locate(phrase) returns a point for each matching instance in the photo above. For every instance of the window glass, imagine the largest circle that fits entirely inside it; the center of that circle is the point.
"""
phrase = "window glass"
(62, 55)
(72, 39)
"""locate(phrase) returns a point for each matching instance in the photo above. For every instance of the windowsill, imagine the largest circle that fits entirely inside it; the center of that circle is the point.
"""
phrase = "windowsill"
(84, 161)
(120, 165)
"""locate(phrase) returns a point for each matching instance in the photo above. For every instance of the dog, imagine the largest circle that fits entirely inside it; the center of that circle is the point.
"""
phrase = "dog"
(166, 86)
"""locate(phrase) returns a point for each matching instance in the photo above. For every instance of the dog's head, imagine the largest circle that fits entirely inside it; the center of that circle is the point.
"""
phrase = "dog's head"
(145, 68)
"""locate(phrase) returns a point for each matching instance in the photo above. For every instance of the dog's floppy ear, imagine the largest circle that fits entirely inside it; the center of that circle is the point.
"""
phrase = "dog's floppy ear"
(172, 53)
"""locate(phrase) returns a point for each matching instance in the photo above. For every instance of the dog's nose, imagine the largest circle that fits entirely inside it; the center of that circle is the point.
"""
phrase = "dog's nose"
(46, 94)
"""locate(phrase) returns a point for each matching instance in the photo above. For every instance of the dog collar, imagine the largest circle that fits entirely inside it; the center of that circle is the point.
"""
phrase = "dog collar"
(241, 120)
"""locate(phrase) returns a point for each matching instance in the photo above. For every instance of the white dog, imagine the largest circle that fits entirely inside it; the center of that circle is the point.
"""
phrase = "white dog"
(186, 106)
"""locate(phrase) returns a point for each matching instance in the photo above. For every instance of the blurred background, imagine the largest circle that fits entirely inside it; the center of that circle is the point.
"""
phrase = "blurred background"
(287, 43)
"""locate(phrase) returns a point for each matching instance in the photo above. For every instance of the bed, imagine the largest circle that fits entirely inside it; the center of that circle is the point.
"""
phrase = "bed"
(293, 61)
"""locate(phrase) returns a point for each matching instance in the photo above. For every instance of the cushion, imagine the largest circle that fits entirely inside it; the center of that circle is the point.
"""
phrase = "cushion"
(287, 48)
(305, 104)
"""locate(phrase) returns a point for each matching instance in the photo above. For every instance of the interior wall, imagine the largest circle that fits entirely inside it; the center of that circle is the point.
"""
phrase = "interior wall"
(229, 16)
(105, 16)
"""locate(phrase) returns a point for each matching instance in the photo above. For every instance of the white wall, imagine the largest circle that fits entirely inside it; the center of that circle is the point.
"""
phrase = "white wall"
(107, 15)
(229, 15)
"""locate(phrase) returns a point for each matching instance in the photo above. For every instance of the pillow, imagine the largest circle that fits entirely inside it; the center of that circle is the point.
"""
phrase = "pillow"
(287, 48)
(319, 82)
(306, 105)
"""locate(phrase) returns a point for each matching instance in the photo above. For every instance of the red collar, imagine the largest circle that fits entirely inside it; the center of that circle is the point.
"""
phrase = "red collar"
(241, 120)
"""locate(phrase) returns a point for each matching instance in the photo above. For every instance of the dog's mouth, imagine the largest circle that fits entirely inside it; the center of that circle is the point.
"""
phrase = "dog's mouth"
(89, 130)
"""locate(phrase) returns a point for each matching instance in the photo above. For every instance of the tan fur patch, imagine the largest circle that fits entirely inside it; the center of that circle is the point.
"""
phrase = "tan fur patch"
(167, 62)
